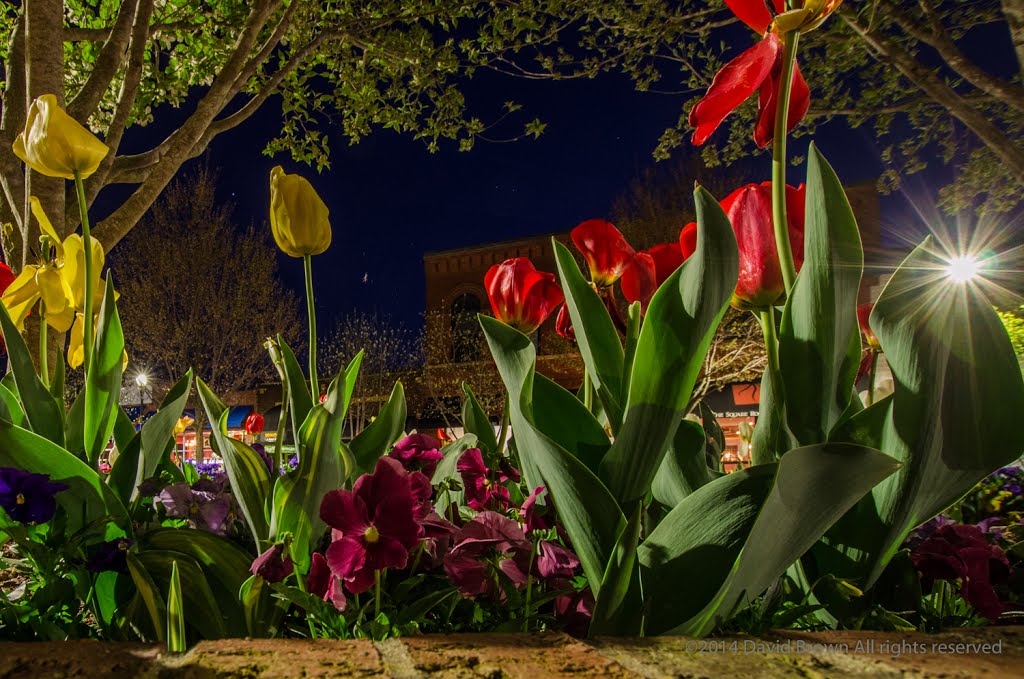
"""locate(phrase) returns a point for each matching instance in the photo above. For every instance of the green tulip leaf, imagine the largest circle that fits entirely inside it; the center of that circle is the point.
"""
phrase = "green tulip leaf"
(103, 381)
(674, 339)
(819, 324)
(447, 469)
(735, 536)
(87, 500)
(561, 416)
(150, 595)
(159, 429)
(587, 509)
(10, 407)
(58, 375)
(250, 479)
(176, 610)
(45, 415)
(684, 469)
(954, 416)
(300, 401)
(619, 609)
(381, 434)
(323, 466)
(595, 333)
(475, 421)
(225, 565)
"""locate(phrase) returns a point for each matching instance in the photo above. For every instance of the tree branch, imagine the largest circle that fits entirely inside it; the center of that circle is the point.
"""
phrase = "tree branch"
(889, 51)
(125, 103)
(84, 103)
(182, 141)
(938, 38)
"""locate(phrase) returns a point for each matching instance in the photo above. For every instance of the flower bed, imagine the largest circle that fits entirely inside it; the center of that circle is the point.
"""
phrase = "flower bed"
(607, 512)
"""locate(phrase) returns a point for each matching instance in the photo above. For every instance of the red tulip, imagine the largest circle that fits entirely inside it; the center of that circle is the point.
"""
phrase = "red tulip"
(607, 253)
(563, 324)
(688, 240)
(651, 268)
(750, 211)
(6, 278)
(758, 68)
(520, 295)
(640, 280)
(863, 313)
(254, 424)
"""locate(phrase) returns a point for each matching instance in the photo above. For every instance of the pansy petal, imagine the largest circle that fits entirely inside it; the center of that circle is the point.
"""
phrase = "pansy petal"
(345, 511)
(346, 556)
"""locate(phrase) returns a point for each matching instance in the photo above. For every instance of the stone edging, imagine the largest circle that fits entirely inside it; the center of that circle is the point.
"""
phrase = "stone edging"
(960, 653)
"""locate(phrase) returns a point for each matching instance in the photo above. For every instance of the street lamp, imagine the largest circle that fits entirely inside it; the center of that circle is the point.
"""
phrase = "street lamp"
(141, 381)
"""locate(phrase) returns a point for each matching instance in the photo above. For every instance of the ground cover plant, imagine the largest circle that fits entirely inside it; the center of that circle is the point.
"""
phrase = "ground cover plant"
(606, 511)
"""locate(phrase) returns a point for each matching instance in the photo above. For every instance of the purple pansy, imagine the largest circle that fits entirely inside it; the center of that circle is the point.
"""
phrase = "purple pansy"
(418, 452)
(203, 509)
(267, 460)
(27, 497)
(374, 524)
(555, 561)
(110, 556)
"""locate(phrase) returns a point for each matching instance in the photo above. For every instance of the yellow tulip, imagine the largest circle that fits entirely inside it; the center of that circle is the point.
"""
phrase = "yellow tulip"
(182, 424)
(298, 218)
(73, 271)
(60, 284)
(55, 144)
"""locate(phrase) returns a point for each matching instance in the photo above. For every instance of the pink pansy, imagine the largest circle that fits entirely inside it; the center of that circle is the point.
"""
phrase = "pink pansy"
(483, 487)
(533, 519)
(555, 561)
(323, 583)
(374, 524)
(418, 452)
(489, 545)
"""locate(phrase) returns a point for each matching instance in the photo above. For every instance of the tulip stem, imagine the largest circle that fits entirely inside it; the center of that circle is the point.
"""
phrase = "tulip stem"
(307, 262)
(281, 423)
(44, 370)
(503, 434)
(376, 590)
(83, 210)
(771, 343)
(782, 244)
(301, 582)
(871, 378)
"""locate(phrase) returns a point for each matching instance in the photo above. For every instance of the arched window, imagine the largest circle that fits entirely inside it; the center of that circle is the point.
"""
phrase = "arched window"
(465, 329)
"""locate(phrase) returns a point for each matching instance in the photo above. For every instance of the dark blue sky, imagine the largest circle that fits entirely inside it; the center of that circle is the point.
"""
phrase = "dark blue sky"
(391, 200)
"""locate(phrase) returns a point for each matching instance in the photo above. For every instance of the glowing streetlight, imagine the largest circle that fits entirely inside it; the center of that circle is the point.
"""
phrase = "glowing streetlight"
(963, 268)
(142, 380)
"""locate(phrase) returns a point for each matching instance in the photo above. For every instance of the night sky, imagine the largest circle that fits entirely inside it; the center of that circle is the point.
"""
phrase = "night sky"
(391, 200)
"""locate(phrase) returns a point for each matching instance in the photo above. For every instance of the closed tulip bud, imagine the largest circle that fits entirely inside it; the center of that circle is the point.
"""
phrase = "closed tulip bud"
(603, 246)
(750, 210)
(298, 218)
(254, 424)
(55, 144)
(520, 295)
